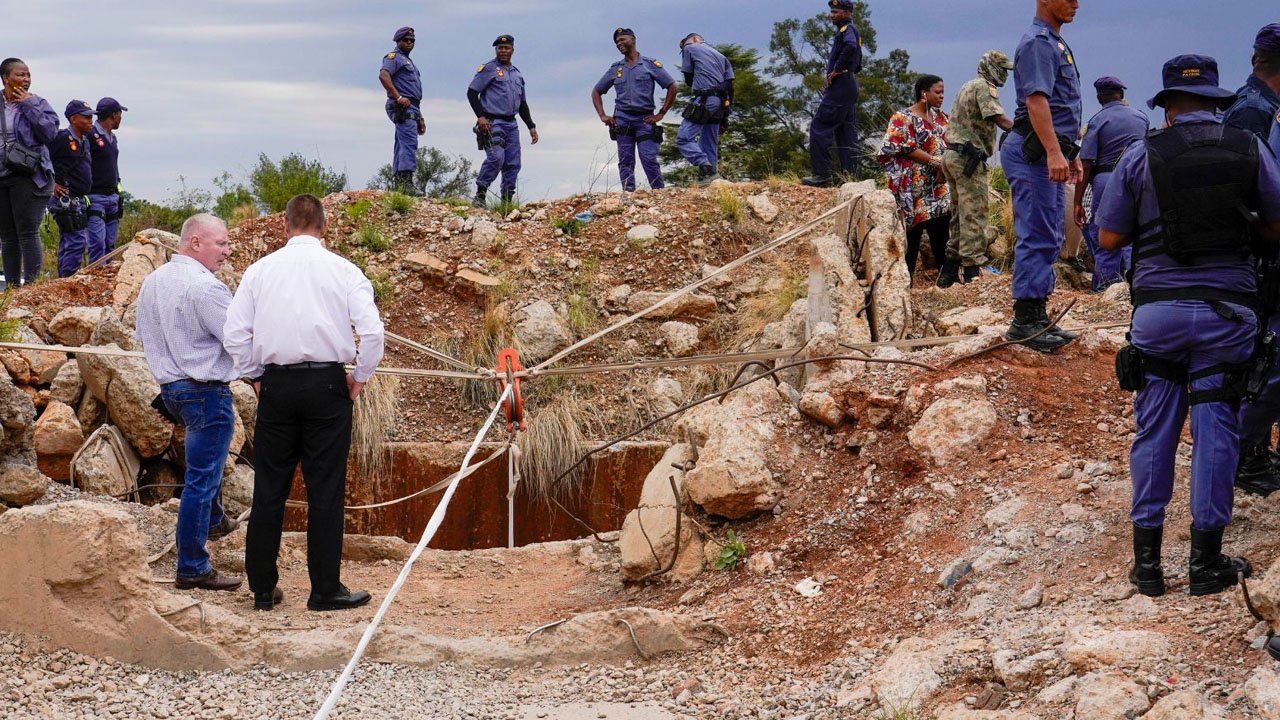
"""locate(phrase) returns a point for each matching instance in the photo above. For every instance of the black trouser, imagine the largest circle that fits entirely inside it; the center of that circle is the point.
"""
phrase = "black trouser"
(939, 230)
(21, 210)
(303, 416)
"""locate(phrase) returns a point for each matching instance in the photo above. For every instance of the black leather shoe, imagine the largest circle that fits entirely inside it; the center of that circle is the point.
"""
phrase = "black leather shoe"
(1273, 648)
(212, 580)
(343, 599)
(224, 528)
(1211, 571)
(268, 600)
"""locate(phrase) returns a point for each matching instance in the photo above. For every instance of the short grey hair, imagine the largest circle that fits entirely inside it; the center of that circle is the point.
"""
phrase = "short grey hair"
(200, 224)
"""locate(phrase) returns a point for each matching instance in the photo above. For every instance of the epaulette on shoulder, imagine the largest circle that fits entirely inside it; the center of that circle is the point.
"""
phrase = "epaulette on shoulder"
(391, 56)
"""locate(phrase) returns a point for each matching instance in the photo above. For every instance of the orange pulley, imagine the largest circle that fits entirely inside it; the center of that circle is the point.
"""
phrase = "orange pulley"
(508, 366)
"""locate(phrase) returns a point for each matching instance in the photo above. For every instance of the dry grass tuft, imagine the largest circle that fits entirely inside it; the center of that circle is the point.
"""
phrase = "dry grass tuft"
(480, 349)
(556, 435)
(376, 414)
(731, 207)
(771, 304)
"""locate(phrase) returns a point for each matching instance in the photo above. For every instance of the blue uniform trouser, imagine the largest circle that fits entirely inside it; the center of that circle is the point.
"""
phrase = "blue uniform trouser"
(1039, 206)
(1109, 266)
(503, 156)
(404, 155)
(700, 144)
(644, 140)
(1191, 332)
(207, 412)
(103, 224)
(836, 121)
(1257, 417)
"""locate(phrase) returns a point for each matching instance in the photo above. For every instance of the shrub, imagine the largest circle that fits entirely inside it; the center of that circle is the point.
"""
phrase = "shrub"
(358, 209)
(371, 237)
(273, 184)
(398, 203)
(568, 226)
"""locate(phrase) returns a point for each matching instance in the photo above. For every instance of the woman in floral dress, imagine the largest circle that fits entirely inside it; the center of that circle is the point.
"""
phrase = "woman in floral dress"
(911, 155)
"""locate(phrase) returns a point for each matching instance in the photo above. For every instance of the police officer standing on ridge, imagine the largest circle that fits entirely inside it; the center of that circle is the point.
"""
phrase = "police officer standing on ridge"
(709, 76)
(105, 210)
(837, 117)
(633, 123)
(1178, 199)
(1112, 130)
(403, 83)
(971, 141)
(1038, 157)
(1258, 100)
(496, 95)
(72, 178)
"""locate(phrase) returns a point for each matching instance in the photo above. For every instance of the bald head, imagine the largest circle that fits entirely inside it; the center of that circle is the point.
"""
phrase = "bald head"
(204, 239)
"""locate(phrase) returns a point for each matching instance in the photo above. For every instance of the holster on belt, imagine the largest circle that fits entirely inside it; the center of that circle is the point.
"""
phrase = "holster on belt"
(483, 138)
(1033, 151)
(973, 157)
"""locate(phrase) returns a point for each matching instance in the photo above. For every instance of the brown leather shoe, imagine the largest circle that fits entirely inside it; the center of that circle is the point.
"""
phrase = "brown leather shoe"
(224, 528)
(212, 580)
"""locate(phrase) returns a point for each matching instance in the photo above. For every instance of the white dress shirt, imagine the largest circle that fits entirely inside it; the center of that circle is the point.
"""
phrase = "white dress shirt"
(300, 304)
(182, 309)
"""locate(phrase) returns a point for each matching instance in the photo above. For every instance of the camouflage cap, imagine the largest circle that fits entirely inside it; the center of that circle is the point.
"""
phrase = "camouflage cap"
(994, 67)
(997, 59)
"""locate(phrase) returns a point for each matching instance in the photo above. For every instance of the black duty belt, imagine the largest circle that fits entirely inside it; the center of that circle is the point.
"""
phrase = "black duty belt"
(506, 118)
(1105, 168)
(305, 366)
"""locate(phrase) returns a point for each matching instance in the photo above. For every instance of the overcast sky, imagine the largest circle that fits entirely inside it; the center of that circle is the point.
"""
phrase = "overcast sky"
(211, 84)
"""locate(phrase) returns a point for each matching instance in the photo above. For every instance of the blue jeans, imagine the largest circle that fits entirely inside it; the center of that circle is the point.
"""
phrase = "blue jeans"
(1038, 221)
(207, 412)
(1191, 332)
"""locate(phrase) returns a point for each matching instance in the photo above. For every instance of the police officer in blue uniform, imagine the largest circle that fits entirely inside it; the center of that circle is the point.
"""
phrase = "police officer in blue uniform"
(1259, 99)
(633, 123)
(72, 181)
(709, 75)
(836, 120)
(497, 96)
(1177, 198)
(403, 83)
(1038, 157)
(1113, 129)
(105, 209)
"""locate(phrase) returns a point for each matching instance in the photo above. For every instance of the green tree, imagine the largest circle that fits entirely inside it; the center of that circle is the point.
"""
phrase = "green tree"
(437, 175)
(274, 184)
(235, 196)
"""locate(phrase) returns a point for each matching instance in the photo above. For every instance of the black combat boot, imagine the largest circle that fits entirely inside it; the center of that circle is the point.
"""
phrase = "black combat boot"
(508, 197)
(1256, 474)
(1043, 314)
(821, 181)
(482, 197)
(404, 182)
(949, 274)
(1027, 322)
(1147, 574)
(971, 273)
(707, 174)
(1211, 571)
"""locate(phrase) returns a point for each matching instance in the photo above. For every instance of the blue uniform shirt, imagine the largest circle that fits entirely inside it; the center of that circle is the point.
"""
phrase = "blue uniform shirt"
(1256, 104)
(1111, 131)
(1044, 64)
(106, 161)
(501, 88)
(72, 165)
(1130, 202)
(1274, 140)
(405, 77)
(710, 69)
(847, 37)
(634, 84)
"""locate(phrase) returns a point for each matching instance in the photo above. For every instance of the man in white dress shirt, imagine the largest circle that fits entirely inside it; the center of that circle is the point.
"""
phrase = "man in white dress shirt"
(289, 330)
(182, 308)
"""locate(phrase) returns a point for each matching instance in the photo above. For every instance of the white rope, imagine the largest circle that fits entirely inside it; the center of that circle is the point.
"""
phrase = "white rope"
(433, 525)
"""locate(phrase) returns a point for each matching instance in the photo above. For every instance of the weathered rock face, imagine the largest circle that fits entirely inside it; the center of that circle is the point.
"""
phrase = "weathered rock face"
(21, 484)
(953, 427)
(484, 235)
(1088, 647)
(1110, 697)
(907, 680)
(691, 305)
(1263, 691)
(144, 255)
(1265, 592)
(732, 478)
(17, 415)
(891, 313)
(129, 404)
(654, 521)
(101, 471)
(967, 321)
(665, 395)
(67, 385)
(31, 367)
(74, 326)
(681, 338)
(237, 490)
(642, 234)
(92, 413)
(1183, 705)
(763, 208)
(110, 330)
(246, 402)
(540, 331)
(57, 436)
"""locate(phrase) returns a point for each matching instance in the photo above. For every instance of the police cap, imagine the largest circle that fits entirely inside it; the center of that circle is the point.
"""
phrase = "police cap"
(402, 33)
(109, 106)
(1268, 39)
(1194, 74)
(841, 5)
(1108, 84)
(504, 40)
(77, 107)
(623, 31)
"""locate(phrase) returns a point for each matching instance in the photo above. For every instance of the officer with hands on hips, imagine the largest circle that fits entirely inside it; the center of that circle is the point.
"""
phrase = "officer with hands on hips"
(403, 83)
(497, 96)
(1178, 198)
(1113, 129)
(72, 180)
(837, 117)
(633, 123)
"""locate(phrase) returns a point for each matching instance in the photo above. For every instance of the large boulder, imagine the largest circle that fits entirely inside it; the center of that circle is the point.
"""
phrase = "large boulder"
(32, 367)
(147, 252)
(112, 330)
(246, 402)
(540, 331)
(665, 395)
(21, 484)
(648, 537)
(908, 680)
(67, 386)
(1110, 696)
(237, 489)
(1089, 647)
(1263, 691)
(762, 207)
(74, 325)
(92, 414)
(1183, 705)
(690, 305)
(885, 256)
(1265, 592)
(680, 338)
(127, 387)
(107, 465)
(953, 427)
(57, 437)
(17, 415)
(733, 478)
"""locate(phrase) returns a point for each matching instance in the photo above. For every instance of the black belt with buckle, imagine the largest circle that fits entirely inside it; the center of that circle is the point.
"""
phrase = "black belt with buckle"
(306, 366)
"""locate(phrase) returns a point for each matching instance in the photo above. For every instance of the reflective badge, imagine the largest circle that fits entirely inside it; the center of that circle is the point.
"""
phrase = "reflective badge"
(619, 72)
(1278, 118)
(657, 63)
(843, 28)
(1062, 47)
(391, 56)
(100, 143)
(501, 74)
(74, 147)
(1070, 61)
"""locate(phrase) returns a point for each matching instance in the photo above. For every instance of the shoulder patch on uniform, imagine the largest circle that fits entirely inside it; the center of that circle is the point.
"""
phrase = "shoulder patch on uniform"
(657, 63)
(480, 69)
(844, 28)
(1278, 118)
(391, 56)
(995, 92)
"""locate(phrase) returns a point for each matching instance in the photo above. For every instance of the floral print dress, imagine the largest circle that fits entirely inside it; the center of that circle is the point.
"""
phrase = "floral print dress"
(921, 189)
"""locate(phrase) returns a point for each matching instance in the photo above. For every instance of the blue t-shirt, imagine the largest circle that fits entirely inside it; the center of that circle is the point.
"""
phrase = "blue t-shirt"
(1130, 203)
(1111, 131)
(634, 84)
(405, 77)
(1044, 64)
(501, 88)
(710, 69)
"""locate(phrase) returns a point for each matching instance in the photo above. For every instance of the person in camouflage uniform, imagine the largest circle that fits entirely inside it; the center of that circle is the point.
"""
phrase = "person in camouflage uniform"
(971, 140)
